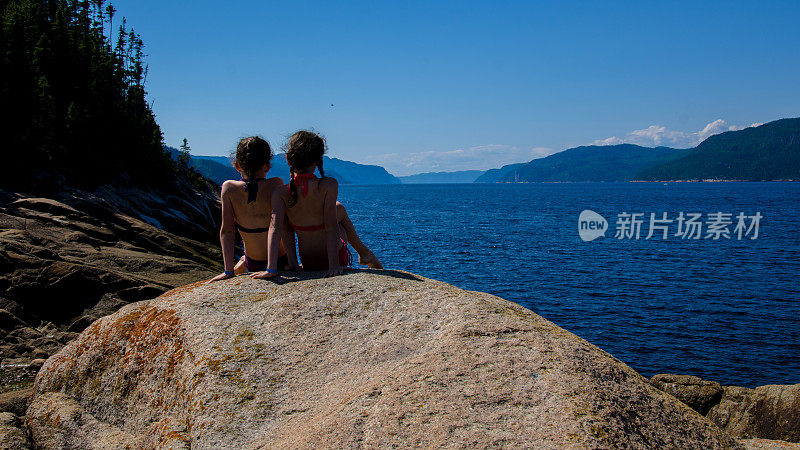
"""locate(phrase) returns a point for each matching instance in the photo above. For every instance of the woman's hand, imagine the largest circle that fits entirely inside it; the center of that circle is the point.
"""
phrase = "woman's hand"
(333, 271)
(295, 268)
(264, 274)
(222, 276)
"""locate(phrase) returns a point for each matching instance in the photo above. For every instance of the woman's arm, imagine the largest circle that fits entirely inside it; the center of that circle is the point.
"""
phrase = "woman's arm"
(290, 245)
(274, 236)
(226, 234)
(331, 192)
(288, 236)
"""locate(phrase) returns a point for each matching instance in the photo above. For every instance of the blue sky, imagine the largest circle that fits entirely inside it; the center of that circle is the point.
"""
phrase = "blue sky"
(437, 86)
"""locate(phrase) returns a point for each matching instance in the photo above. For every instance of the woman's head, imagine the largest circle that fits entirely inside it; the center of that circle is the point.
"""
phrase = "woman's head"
(304, 150)
(252, 154)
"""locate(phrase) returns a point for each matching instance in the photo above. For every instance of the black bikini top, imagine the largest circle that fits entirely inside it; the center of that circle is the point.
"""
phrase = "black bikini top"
(250, 230)
(251, 187)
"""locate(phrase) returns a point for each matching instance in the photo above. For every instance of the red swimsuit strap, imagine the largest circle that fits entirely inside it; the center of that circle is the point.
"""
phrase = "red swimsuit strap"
(311, 228)
(302, 180)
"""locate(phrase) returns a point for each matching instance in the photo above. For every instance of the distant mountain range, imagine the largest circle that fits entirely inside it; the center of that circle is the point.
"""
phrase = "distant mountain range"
(463, 176)
(219, 168)
(355, 173)
(767, 152)
(589, 163)
(497, 175)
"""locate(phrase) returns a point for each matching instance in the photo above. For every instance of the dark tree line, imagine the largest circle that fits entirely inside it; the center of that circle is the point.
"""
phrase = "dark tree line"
(74, 97)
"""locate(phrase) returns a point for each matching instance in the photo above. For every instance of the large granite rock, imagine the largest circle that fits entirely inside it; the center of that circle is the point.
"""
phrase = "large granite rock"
(367, 359)
(769, 412)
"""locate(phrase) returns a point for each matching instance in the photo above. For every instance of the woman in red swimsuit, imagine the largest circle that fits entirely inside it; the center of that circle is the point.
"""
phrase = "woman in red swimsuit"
(246, 207)
(307, 208)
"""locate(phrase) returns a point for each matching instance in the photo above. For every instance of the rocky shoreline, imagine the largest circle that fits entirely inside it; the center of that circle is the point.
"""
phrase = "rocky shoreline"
(75, 257)
(767, 412)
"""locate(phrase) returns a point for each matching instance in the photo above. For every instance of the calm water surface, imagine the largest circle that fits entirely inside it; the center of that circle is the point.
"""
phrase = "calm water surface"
(725, 310)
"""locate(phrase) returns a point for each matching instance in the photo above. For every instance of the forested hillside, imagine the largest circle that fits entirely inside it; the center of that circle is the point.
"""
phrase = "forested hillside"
(72, 77)
(767, 152)
(590, 163)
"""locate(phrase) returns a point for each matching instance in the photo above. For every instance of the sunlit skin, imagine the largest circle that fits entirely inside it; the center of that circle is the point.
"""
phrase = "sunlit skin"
(249, 215)
(318, 249)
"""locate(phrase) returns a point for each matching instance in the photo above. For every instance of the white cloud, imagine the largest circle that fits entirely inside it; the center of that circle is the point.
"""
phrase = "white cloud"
(493, 156)
(482, 157)
(657, 135)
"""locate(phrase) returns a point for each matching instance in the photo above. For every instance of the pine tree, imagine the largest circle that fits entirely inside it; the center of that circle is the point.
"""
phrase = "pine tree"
(78, 100)
(184, 158)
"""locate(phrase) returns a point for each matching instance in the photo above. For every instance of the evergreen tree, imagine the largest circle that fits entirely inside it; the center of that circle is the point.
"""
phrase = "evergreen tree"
(185, 157)
(76, 103)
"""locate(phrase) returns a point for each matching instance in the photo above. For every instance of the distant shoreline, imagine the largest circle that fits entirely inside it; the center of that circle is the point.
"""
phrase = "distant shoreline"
(712, 180)
(620, 181)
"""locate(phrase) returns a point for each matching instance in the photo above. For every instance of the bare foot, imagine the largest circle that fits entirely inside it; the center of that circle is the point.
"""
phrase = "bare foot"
(370, 260)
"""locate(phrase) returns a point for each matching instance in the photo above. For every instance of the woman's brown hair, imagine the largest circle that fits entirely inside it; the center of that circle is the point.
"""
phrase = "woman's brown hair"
(251, 155)
(303, 150)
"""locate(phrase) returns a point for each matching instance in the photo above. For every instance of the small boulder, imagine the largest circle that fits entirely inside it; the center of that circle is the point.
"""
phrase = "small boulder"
(15, 402)
(46, 205)
(768, 412)
(8, 419)
(698, 394)
(12, 436)
(36, 364)
(41, 354)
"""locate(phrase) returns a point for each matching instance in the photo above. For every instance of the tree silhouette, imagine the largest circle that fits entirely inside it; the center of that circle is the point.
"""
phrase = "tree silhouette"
(78, 103)
(184, 157)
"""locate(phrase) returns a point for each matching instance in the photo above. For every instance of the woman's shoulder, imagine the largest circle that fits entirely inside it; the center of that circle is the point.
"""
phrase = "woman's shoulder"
(277, 187)
(230, 185)
(328, 183)
(274, 182)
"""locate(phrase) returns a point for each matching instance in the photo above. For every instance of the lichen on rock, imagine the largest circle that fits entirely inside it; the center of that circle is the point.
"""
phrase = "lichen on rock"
(367, 359)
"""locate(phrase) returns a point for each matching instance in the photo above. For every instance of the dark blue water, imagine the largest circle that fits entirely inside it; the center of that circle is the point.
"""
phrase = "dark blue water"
(725, 310)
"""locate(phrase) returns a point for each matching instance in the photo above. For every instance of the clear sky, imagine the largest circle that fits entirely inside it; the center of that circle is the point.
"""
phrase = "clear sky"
(439, 86)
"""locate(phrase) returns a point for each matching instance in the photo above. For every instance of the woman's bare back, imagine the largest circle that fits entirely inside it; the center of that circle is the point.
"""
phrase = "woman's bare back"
(254, 216)
(308, 213)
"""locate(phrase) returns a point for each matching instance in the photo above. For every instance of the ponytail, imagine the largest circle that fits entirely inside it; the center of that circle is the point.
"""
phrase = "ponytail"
(321, 170)
(251, 186)
(292, 189)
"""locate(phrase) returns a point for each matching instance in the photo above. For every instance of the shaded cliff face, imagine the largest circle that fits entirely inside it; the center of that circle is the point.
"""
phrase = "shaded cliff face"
(77, 256)
(367, 359)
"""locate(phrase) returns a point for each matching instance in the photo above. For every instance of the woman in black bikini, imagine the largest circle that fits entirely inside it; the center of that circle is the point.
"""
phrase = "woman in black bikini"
(246, 206)
(308, 208)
